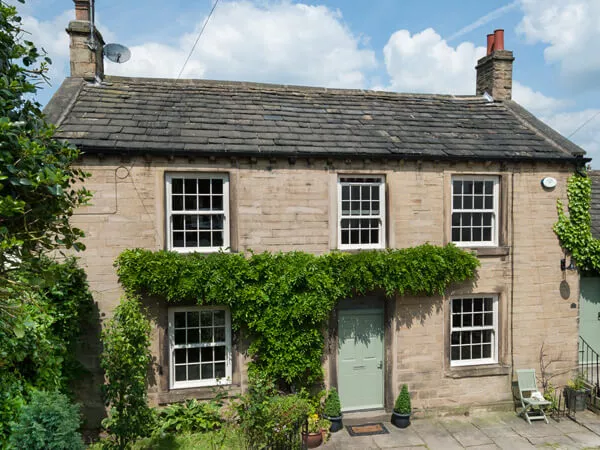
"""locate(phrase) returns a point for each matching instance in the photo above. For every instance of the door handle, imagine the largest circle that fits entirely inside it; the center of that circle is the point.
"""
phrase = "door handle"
(380, 365)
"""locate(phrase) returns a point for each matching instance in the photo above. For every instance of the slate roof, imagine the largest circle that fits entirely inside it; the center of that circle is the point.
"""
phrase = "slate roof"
(165, 116)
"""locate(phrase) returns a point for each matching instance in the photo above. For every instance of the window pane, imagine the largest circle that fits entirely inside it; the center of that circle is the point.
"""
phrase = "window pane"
(345, 237)
(355, 208)
(206, 334)
(177, 186)
(220, 353)
(487, 351)
(191, 222)
(178, 240)
(365, 208)
(489, 187)
(203, 186)
(467, 304)
(478, 187)
(487, 219)
(345, 208)
(194, 372)
(375, 193)
(466, 352)
(465, 234)
(489, 202)
(193, 319)
(467, 187)
(457, 202)
(191, 203)
(207, 371)
(455, 354)
(177, 203)
(220, 370)
(193, 336)
(345, 192)
(487, 235)
(354, 237)
(456, 305)
(465, 337)
(217, 237)
(468, 202)
(477, 234)
(467, 320)
(206, 318)
(204, 203)
(191, 185)
(455, 338)
(204, 239)
(457, 187)
(180, 337)
(178, 222)
(191, 239)
(220, 334)
(207, 354)
(364, 236)
(456, 234)
(193, 355)
(180, 356)
(354, 192)
(217, 186)
(476, 337)
(219, 317)
(477, 320)
(374, 236)
(456, 322)
(217, 203)
(476, 352)
(179, 319)
(488, 304)
(204, 222)
(180, 373)
(217, 222)
(488, 319)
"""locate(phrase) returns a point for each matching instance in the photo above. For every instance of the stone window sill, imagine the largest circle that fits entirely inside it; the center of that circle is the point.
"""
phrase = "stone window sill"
(199, 393)
(477, 371)
(489, 251)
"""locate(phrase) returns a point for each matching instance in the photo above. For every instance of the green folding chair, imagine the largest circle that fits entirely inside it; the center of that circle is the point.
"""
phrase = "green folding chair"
(532, 400)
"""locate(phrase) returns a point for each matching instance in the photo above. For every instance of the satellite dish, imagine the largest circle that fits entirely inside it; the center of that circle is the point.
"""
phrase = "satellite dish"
(117, 53)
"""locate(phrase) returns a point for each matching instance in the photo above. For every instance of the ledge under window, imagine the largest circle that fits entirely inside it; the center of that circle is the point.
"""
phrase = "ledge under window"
(199, 393)
(477, 371)
(489, 251)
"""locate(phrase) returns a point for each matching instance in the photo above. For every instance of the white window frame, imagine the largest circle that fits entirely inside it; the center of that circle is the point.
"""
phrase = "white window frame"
(494, 211)
(493, 359)
(170, 213)
(381, 216)
(172, 347)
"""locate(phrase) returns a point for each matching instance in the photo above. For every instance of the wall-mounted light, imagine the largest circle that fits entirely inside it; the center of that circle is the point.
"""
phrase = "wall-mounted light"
(571, 266)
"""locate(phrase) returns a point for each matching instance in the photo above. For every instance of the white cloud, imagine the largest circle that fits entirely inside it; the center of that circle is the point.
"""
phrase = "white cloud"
(571, 30)
(535, 101)
(424, 62)
(588, 137)
(281, 42)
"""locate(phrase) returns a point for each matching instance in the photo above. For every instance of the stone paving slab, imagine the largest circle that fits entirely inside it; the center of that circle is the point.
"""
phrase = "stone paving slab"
(495, 430)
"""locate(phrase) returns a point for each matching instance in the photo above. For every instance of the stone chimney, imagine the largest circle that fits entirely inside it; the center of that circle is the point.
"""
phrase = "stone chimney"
(86, 54)
(494, 71)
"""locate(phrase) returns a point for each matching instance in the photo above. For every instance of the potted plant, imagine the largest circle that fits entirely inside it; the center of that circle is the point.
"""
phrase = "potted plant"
(576, 394)
(314, 437)
(402, 409)
(332, 410)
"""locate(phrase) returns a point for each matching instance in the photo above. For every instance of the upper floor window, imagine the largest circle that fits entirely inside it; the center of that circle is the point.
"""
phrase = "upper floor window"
(199, 346)
(475, 210)
(197, 212)
(361, 212)
(474, 330)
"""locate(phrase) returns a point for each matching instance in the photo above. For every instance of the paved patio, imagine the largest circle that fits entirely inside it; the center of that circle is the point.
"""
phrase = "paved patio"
(494, 430)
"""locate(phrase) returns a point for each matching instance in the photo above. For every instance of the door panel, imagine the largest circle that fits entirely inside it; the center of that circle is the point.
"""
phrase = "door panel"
(360, 358)
(589, 312)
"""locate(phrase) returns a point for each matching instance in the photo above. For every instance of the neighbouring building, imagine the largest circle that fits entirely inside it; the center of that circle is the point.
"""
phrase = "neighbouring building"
(198, 165)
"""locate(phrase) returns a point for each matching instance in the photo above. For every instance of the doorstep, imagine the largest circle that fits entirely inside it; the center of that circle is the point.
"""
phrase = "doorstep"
(368, 416)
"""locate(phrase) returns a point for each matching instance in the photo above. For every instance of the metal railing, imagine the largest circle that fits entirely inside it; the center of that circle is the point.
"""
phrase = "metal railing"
(589, 364)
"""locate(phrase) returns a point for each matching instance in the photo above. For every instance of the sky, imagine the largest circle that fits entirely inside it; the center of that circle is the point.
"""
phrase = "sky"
(426, 46)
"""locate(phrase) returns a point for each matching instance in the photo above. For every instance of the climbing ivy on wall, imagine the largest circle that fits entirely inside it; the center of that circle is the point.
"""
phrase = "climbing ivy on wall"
(284, 299)
(575, 229)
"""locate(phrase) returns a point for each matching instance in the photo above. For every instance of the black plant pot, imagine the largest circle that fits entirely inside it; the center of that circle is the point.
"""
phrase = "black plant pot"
(576, 399)
(400, 420)
(336, 423)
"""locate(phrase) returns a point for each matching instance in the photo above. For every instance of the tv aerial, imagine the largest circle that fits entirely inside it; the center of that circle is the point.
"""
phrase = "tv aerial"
(117, 53)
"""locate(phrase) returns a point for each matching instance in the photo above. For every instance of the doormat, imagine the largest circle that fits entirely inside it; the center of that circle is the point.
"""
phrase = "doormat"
(367, 429)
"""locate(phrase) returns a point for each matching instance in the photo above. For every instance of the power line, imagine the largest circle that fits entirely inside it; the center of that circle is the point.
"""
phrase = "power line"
(198, 38)
(584, 124)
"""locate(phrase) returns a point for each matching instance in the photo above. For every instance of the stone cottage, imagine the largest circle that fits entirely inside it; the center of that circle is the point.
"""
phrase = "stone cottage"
(204, 166)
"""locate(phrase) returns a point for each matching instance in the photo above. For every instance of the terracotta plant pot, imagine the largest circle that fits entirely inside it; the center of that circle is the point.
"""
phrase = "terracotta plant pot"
(400, 420)
(312, 440)
(336, 423)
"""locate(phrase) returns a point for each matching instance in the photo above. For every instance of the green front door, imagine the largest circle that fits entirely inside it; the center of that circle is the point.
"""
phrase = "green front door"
(589, 312)
(360, 358)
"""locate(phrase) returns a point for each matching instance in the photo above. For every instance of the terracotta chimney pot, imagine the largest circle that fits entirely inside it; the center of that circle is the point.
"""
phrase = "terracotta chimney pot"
(82, 10)
(498, 39)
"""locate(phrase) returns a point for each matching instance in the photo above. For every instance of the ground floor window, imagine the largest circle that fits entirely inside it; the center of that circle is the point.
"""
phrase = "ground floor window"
(199, 346)
(474, 330)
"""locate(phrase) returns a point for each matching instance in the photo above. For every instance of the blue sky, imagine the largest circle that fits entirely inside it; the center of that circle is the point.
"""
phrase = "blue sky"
(405, 46)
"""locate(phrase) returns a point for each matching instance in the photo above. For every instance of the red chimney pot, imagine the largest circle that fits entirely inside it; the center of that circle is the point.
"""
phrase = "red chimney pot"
(82, 10)
(490, 44)
(498, 40)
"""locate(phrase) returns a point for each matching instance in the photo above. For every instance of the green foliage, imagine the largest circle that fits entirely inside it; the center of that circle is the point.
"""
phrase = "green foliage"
(574, 230)
(39, 351)
(577, 383)
(37, 183)
(402, 405)
(333, 407)
(283, 300)
(266, 417)
(190, 417)
(48, 422)
(125, 360)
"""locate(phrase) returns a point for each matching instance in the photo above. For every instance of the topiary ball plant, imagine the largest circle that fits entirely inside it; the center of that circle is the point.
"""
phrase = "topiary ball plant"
(402, 409)
(333, 407)
(402, 405)
(332, 410)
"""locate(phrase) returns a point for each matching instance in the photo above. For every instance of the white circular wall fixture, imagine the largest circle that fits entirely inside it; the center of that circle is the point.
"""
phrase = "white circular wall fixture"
(549, 182)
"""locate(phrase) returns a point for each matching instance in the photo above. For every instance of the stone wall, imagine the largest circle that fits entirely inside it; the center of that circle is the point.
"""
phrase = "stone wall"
(279, 206)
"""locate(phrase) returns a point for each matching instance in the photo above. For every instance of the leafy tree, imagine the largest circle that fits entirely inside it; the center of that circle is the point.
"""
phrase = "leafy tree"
(38, 191)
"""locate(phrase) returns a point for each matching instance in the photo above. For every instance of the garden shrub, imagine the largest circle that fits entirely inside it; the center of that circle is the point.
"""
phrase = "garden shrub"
(402, 405)
(332, 407)
(48, 422)
(191, 416)
(125, 360)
